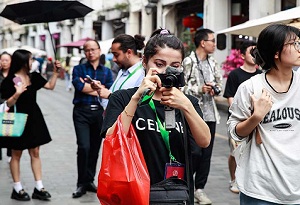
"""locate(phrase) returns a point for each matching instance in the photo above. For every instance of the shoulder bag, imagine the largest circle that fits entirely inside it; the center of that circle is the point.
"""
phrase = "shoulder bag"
(173, 190)
(12, 124)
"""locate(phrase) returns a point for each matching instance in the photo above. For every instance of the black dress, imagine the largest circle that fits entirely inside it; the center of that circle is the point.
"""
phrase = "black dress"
(36, 132)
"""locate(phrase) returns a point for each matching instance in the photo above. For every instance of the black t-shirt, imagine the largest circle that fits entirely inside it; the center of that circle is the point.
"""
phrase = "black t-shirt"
(235, 78)
(144, 121)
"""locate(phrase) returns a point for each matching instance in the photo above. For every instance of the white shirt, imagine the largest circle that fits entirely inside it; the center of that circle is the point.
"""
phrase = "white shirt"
(270, 171)
(130, 78)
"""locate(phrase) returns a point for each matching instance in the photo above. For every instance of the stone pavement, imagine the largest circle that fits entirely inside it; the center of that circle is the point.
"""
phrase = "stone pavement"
(59, 159)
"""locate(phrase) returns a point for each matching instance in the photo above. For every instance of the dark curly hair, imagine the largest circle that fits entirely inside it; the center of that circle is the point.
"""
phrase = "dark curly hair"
(128, 42)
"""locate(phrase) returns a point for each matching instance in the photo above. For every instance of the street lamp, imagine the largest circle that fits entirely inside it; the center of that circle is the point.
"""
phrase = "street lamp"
(149, 8)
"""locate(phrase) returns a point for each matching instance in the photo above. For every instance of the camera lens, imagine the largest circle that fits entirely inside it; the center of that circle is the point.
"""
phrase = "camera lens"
(170, 81)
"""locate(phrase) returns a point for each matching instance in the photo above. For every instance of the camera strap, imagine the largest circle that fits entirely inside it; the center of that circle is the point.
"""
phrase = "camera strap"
(163, 131)
(200, 69)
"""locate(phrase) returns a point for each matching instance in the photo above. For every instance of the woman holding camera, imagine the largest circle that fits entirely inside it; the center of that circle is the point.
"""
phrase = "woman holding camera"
(162, 50)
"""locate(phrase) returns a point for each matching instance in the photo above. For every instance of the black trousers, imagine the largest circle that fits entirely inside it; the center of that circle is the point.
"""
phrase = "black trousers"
(202, 159)
(87, 125)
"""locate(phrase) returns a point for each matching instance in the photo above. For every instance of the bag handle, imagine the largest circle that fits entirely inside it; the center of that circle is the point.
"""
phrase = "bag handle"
(4, 107)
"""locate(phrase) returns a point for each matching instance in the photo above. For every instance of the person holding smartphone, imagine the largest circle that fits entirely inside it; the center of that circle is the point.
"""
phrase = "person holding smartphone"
(19, 89)
(87, 115)
(125, 50)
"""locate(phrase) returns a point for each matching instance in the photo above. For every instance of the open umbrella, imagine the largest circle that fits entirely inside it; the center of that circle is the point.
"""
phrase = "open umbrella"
(255, 26)
(44, 12)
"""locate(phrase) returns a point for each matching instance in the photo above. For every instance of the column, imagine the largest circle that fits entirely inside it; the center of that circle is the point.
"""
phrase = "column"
(217, 16)
(107, 30)
(132, 25)
(146, 24)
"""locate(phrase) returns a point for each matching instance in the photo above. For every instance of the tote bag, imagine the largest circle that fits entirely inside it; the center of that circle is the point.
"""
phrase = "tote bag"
(123, 178)
(12, 124)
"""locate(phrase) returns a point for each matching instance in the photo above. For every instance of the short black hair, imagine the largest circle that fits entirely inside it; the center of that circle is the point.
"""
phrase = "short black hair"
(201, 34)
(245, 45)
(270, 41)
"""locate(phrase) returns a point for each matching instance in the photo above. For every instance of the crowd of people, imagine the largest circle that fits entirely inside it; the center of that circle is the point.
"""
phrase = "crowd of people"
(265, 172)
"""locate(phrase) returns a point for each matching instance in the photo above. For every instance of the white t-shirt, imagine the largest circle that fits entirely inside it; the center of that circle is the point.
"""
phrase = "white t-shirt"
(271, 172)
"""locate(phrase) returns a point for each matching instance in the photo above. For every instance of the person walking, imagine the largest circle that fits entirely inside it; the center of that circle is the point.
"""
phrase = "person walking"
(162, 50)
(204, 81)
(68, 71)
(265, 116)
(23, 97)
(87, 116)
(235, 78)
(125, 50)
(5, 61)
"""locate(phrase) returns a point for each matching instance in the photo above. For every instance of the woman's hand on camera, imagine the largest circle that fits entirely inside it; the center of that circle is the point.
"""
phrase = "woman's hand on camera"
(151, 82)
(174, 97)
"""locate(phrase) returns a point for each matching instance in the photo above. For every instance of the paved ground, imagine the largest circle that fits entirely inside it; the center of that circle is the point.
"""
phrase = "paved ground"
(59, 159)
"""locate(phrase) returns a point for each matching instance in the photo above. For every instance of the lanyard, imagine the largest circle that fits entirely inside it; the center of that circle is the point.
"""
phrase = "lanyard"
(163, 131)
(131, 74)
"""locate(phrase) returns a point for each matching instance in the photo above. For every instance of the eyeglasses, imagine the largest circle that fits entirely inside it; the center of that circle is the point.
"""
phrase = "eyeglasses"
(91, 50)
(296, 45)
(212, 40)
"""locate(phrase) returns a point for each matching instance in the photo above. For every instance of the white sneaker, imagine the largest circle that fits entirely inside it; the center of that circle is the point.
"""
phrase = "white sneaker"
(201, 197)
(234, 187)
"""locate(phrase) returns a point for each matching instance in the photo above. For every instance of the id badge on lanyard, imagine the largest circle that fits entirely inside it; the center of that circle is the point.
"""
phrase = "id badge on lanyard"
(174, 169)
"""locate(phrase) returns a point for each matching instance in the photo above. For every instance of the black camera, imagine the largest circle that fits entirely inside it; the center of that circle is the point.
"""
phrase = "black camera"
(172, 78)
(216, 89)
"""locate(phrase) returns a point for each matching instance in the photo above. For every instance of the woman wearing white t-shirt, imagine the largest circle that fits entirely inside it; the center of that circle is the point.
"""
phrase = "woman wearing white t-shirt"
(267, 172)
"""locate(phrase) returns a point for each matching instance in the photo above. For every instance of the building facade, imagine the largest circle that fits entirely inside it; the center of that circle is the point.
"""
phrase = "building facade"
(113, 17)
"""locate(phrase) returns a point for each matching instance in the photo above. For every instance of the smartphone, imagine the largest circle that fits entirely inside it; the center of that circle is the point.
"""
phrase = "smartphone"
(17, 80)
(89, 79)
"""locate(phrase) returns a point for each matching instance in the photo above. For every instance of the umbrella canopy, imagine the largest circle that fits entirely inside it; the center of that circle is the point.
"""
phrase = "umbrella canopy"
(255, 26)
(75, 44)
(44, 11)
(34, 51)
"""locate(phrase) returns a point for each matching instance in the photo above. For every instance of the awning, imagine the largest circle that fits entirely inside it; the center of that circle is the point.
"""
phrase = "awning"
(75, 44)
(255, 26)
(104, 45)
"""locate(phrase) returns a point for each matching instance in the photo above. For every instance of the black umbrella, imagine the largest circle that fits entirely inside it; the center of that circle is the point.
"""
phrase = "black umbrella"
(44, 12)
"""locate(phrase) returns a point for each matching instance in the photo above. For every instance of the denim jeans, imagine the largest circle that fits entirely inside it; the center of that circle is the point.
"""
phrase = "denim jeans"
(247, 200)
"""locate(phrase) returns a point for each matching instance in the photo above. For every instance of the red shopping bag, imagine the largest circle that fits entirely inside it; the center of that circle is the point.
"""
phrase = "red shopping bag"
(123, 177)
